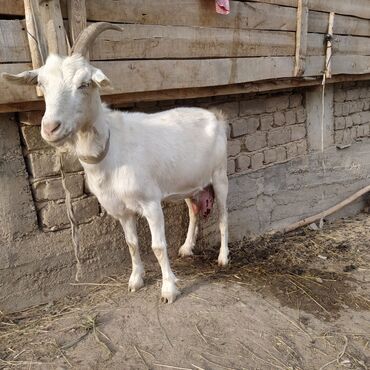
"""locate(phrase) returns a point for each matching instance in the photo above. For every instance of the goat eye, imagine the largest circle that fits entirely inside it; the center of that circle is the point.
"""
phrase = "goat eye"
(84, 85)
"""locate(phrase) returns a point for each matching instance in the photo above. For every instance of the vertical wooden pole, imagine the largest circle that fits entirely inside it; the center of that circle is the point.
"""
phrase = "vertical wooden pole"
(301, 37)
(76, 18)
(329, 45)
(51, 18)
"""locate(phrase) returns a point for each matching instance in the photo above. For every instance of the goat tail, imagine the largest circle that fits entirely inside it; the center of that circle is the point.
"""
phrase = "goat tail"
(221, 117)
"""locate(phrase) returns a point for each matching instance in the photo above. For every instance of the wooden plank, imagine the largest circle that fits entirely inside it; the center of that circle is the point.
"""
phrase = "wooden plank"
(76, 18)
(358, 8)
(318, 22)
(11, 7)
(13, 42)
(191, 13)
(301, 38)
(150, 42)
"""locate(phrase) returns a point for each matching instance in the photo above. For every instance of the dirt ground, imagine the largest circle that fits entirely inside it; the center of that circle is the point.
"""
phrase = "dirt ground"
(298, 301)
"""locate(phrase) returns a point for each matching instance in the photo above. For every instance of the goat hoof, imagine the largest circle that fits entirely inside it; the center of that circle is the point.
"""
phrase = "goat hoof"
(222, 261)
(185, 251)
(169, 296)
(135, 283)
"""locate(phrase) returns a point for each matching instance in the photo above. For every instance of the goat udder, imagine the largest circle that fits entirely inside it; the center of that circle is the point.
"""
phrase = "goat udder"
(203, 202)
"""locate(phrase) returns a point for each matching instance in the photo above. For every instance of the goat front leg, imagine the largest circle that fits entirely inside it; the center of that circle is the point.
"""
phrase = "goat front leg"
(154, 215)
(136, 281)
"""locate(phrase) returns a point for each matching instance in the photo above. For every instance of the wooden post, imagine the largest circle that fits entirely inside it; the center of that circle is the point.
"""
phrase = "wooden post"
(36, 40)
(51, 18)
(329, 44)
(76, 18)
(301, 38)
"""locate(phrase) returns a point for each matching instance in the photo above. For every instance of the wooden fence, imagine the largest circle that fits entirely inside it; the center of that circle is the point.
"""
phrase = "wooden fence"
(182, 48)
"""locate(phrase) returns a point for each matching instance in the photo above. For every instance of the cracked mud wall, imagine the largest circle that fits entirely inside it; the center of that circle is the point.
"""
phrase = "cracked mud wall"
(277, 170)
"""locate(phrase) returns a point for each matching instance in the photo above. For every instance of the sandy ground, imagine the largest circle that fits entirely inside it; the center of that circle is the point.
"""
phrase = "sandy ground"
(299, 301)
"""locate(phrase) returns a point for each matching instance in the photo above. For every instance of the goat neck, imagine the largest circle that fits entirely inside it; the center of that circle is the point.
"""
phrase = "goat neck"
(93, 142)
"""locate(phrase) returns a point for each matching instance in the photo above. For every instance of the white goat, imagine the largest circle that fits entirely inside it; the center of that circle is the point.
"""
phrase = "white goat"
(134, 161)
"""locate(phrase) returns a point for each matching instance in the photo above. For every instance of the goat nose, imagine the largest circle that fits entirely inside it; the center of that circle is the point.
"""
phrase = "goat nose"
(51, 127)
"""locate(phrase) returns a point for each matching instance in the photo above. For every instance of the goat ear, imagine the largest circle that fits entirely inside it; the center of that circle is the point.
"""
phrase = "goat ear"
(100, 79)
(24, 78)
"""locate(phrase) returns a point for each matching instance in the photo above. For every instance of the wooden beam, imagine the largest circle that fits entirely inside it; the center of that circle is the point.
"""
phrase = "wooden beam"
(122, 100)
(301, 38)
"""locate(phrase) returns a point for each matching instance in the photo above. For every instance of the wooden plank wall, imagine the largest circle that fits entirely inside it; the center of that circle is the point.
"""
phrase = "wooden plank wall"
(184, 44)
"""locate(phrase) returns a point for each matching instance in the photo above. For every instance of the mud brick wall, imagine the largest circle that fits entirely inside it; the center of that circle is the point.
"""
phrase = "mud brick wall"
(265, 131)
(275, 171)
(352, 112)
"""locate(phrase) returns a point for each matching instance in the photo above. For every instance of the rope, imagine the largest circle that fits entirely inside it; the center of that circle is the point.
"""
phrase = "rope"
(72, 219)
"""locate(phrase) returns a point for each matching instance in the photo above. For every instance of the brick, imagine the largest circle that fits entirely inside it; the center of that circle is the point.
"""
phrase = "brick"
(298, 132)
(366, 129)
(32, 138)
(345, 109)
(257, 161)
(354, 107)
(32, 118)
(365, 117)
(277, 103)
(291, 150)
(230, 166)
(353, 133)
(279, 119)
(302, 147)
(270, 156)
(43, 163)
(52, 189)
(301, 115)
(239, 127)
(281, 153)
(352, 94)
(339, 95)
(233, 147)
(267, 121)
(54, 215)
(290, 117)
(356, 119)
(252, 107)
(338, 136)
(347, 138)
(295, 100)
(340, 123)
(255, 142)
(279, 136)
(349, 122)
(243, 162)
(338, 109)
(361, 131)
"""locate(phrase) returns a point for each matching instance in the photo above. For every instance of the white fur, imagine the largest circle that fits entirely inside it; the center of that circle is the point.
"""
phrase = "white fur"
(151, 158)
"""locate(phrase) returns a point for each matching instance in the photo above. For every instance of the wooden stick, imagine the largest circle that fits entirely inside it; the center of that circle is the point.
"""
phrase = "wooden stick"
(301, 38)
(337, 207)
(329, 45)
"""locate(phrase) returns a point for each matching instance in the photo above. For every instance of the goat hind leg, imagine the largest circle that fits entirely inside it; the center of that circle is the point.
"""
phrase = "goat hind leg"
(154, 215)
(136, 280)
(187, 248)
(220, 186)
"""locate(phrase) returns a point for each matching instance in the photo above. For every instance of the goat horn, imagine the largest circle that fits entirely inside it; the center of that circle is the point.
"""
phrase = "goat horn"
(89, 34)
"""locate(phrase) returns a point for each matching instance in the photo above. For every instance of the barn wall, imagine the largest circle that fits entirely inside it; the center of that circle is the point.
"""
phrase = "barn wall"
(277, 174)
